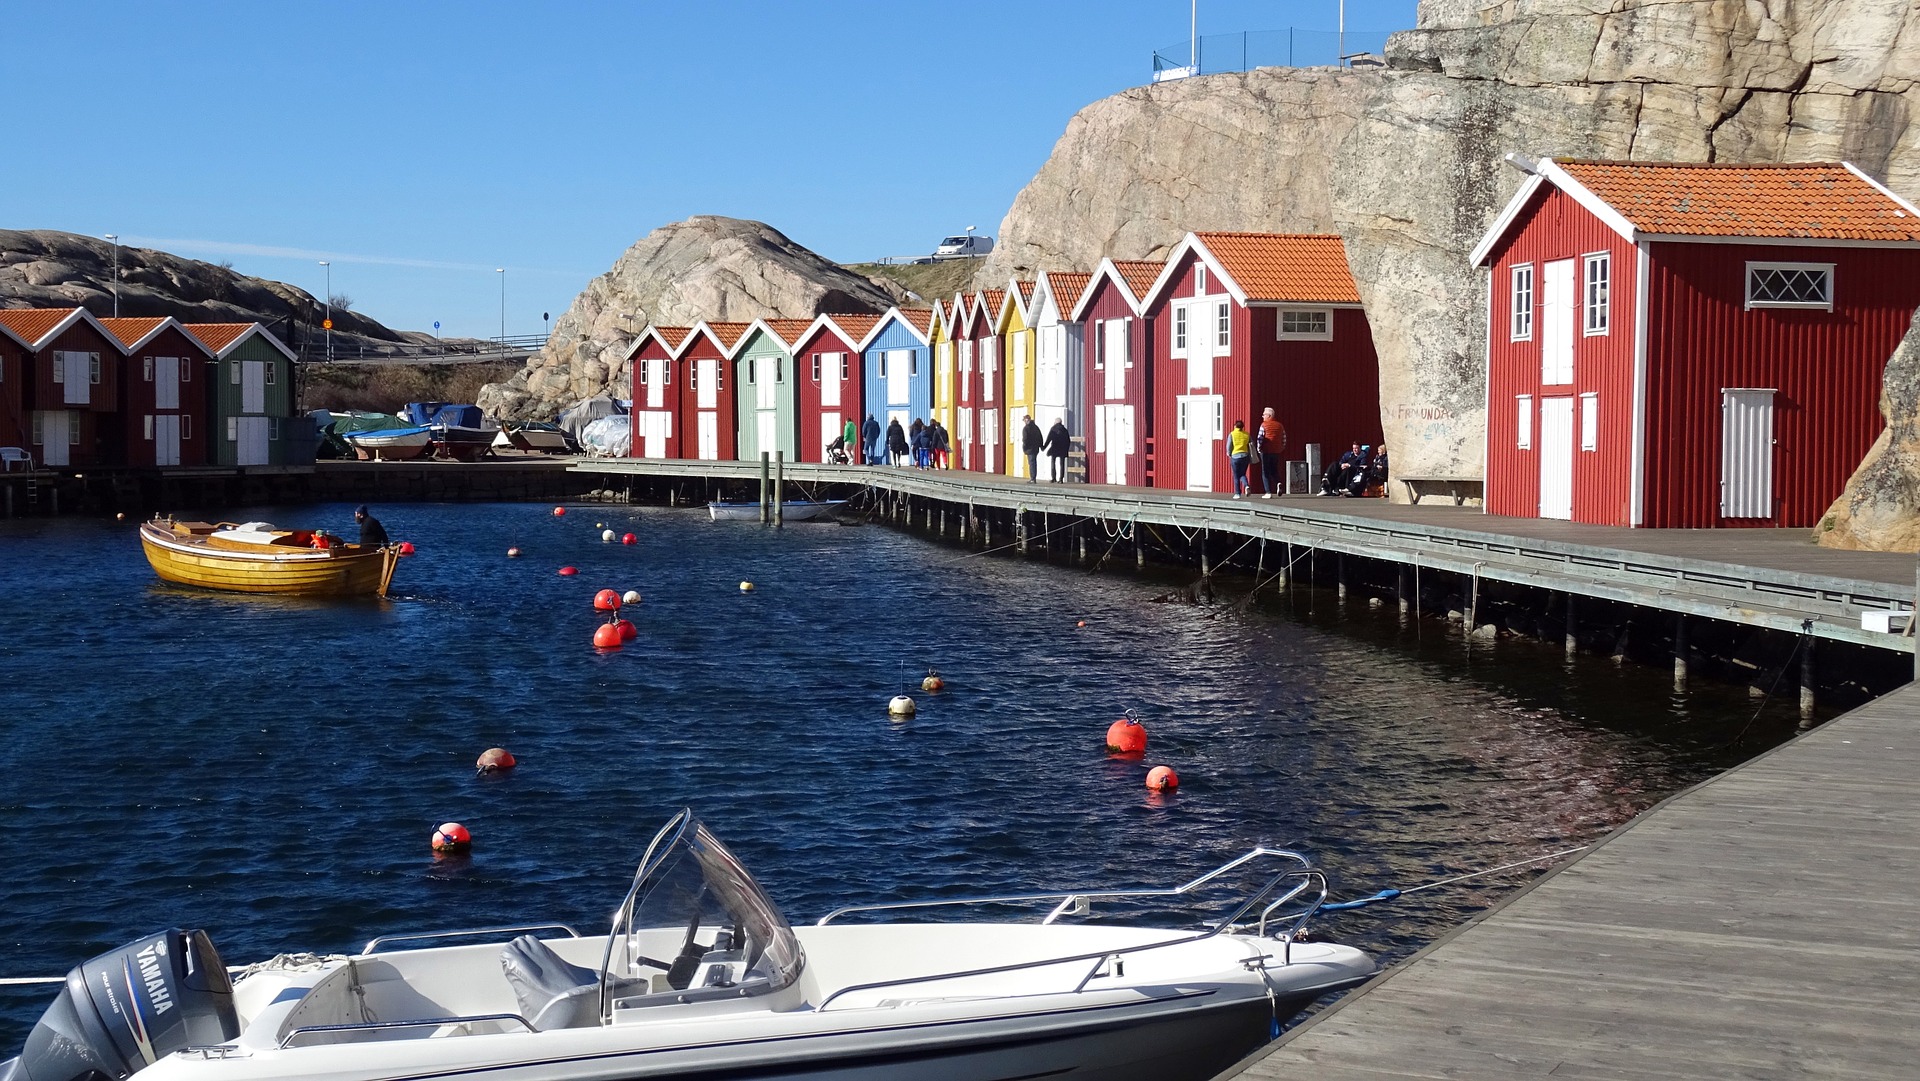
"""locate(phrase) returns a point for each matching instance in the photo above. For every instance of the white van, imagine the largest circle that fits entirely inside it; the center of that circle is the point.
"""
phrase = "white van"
(963, 246)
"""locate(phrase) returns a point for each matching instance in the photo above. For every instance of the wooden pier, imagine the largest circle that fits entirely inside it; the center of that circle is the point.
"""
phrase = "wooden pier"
(1763, 924)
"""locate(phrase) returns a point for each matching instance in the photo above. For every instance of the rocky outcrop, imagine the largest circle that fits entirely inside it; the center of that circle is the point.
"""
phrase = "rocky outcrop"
(711, 268)
(41, 268)
(1404, 162)
(1880, 510)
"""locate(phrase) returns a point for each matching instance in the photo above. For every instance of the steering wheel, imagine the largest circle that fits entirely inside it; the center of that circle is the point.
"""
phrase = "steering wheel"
(680, 973)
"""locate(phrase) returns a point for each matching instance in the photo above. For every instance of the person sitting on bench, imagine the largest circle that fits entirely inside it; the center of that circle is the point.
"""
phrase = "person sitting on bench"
(1340, 474)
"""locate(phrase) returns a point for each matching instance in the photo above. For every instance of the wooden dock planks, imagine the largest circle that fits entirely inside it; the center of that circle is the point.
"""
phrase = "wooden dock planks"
(1763, 924)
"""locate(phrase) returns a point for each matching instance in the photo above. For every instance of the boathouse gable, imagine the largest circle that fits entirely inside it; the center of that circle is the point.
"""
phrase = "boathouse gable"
(946, 366)
(988, 376)
(897, 371)
(249, 396)
(827, 368)
(165, 396)
(1684, 346)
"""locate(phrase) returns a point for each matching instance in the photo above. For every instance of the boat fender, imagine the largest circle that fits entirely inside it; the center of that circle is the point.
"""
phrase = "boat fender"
(631, 596)
(568, 572)
(1127, 736)
(607, 636)
(628, 632)
(452, 837)
(933, 682)
(513, 553)
(746, 587)
(607, 600)
(628, 538)
(1162, 779)
(606, 536)
(901, 706)
(322, 542)
(495, 760)
(559, 512)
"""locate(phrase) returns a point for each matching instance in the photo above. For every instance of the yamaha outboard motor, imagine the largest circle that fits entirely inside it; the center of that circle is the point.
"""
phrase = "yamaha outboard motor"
(126, 1008)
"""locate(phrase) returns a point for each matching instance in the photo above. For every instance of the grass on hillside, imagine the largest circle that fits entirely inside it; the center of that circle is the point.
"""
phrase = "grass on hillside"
(930, 280)
(384, 388)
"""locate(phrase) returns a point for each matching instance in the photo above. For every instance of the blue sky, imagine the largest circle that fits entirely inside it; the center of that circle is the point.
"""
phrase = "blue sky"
(419, 145)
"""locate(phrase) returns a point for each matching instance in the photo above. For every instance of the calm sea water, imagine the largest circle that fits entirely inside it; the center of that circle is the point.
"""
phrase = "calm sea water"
(271, 769)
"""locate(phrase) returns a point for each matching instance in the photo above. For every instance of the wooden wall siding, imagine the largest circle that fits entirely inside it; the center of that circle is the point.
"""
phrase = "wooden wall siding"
(1014, 410)
(81, 337)
(762, 346)
(945, 381)
(674, 378)
(1825, 366)
(1109, 303)
(1556, 227)
(703, 347)
(874, 387)
(195, 399)
(226, 400)
(1073, 409)
(16, 426)
(810, 430)
(989, 395)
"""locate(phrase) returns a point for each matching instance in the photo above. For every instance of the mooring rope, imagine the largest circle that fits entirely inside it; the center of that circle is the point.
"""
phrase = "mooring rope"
(1388, 895)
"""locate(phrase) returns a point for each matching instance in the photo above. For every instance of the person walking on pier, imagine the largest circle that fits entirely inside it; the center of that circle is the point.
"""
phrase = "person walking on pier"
(870, 441)
(938, 443)
(1030, 444)
(1240, 456)
(922, 454)
(1269, 442)
(896, 440)
(372, 533)
(1058, 445)
(852, 437)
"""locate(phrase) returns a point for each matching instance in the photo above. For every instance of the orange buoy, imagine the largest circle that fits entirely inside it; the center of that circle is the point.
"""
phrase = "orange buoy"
(607, 600)
(607, 636)
(1082, 623)
(628, 538)
(495, 760)
(559, 512)
(1162, 779)
(568, 572)
(406, 548)
(628, 632)
(452, 837)
(933, 682)
(1127, 736)
(513, 553)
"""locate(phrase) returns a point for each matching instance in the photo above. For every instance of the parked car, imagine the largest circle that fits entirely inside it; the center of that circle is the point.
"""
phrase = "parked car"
(964, 246)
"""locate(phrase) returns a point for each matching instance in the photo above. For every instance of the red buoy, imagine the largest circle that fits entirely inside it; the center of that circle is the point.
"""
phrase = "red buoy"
(629, 538)
(606, 600)
(559, 512)
(406, 548)
(607, 636)
(452, 837)
(1162, 779)
(495, 760)
(1126, 736)
(1082, 623)
(568, 572)
(628, 632)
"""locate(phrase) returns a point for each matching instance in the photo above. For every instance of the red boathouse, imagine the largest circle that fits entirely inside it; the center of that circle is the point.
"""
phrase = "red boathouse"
(656, 401)
(74, 391)
(707, 412)
(1119, 369)
(1680, 346)
(164, 398)
(826, 356)
(1244, 321)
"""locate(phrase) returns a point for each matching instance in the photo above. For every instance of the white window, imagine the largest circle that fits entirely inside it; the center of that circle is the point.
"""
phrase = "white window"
(1126, 343)
(1598, 287)
(147, 428)
(186, 426)
(1523, 418)
(966, 355)
(186, 369)
(1790, 285)
(1180, 419)
(273, 428)
(59, 369)
(816, 367)
(1219, 418)
(913, 362)
(233, 429)
(1222, 326)
(39, 427)
(233, 373)
(1199, 279)
(1522, 303)
(270, 372)
(1099, 345)
(1304, 324)
(93, 367)
(73, 430)
(146, 366)
(1589, 421)
(1179, 330)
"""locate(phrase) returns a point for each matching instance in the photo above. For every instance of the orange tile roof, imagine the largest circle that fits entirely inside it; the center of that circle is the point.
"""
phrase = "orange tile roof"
(33, 324)
(920, 319)
(728, 334)
(994, 298)
(1306, 268)
(855, 325)
(1026, 291)
(131, 330)
(671, 337)
(1139, 274)
(789, 330)
(1067, 287)
(217, 336)
(1816, 200)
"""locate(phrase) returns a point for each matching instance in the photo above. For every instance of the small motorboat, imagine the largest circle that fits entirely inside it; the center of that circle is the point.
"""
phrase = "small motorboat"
(255, 557)
(701, 976)
(457, 431)
(791, 510)
(535, 436)
(390, 444)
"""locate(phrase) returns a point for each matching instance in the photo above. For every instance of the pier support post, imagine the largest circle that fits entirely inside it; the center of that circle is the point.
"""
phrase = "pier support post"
(1806, 674)
(943, 519)
(1204, 569)
(1340, 570)
(1020, 531)
(1400, 588)
(780, 488)
(1260, 564)
(1680, 654)
(1573, 631)
(1082, 536)
(766, 483)
(1286, 571)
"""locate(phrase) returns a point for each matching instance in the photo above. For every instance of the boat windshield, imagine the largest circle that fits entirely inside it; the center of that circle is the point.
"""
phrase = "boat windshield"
(696, 887)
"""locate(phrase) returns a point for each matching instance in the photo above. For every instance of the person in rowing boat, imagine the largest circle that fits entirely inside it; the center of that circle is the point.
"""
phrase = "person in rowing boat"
(372, 533)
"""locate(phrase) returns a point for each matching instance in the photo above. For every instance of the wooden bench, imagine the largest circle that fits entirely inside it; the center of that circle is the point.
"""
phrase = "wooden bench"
(1460, 488)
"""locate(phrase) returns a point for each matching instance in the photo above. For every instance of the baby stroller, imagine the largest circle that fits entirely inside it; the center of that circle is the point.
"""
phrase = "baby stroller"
(837, 452)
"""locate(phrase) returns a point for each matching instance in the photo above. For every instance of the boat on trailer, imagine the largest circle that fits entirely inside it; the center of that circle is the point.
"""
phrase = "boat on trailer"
(792, 510)
(700, 975)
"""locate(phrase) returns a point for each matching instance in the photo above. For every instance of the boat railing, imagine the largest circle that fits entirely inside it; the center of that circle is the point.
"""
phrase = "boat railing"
(374, 945)
(1305, 881)
(369, 1027)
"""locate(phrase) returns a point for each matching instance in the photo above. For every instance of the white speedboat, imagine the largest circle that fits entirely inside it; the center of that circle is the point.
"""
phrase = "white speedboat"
(701, 976)
(792, 510)
(390, 443)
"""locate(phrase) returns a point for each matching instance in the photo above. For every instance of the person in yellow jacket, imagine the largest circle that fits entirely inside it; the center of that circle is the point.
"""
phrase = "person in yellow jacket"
(1240, 455)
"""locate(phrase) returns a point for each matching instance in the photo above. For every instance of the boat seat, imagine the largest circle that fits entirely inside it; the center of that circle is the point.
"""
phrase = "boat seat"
(554, 992)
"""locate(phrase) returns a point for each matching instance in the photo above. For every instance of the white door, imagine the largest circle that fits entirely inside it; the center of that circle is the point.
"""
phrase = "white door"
(656, 377)
(1746, 453)
(990, 440)
(767, 431)
(251, 441)
(166, 436)
(899, 365)
(709, 433)
(1556, 458)
(1118, 421)
(1200, 338)
(1199, 423)
(655, 427)
(74, 371)
(253, 386)
(709, 393)
(1556, 324)
(166, 382)
(830, 430)
(54, 435)
(965, 435)
(833, 368)
(1114, 332)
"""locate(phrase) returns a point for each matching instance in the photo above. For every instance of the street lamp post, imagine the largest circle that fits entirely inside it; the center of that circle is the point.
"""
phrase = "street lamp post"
(326, 323)
(502, 271)
(115, 237)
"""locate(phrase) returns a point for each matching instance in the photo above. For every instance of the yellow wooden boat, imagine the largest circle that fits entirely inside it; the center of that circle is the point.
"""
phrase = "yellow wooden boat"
(254, 557)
